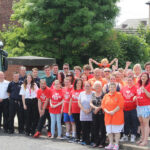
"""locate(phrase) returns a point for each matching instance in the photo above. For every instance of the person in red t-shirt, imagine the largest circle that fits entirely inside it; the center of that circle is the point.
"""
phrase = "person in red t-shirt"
(68, 119)
(130, 113)
(55, 109)
(87, 71)
(43, 98)
(74, 109)
(143, 107)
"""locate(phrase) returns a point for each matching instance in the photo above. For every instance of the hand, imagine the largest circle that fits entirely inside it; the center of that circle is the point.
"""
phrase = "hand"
(53, 106)
(115, 59)
(97, 110)
(43, 111)
(143, 89)
(111, 112)
(114, 67)
(128, 63)
(90, 59)
(25, 107)
(1, 100)
(134, 98)
(69, 113)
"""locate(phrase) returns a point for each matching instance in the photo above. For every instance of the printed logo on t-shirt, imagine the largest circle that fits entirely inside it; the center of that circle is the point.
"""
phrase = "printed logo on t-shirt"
(56, 96)
(128, 94)
(43, 97)
(75, 95)
(67, 95)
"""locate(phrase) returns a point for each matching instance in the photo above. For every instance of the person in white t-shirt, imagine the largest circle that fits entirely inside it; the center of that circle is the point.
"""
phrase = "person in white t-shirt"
(4, 102)
(29, 94)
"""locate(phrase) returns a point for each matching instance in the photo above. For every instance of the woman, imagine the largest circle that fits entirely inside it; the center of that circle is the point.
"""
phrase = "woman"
(74, 109)
(71, 77)
(55, 109)
(112, 104)
(86, 113)
(137, 70)
(143, 107)
(29, 94)
(98, 116)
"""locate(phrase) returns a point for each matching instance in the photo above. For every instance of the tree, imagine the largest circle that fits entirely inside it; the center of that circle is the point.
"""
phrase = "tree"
(69, 30)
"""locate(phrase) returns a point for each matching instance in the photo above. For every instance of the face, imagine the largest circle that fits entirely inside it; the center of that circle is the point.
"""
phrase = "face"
(147, 68)
(29, 79)
(55, 69)
(87, 72)
(144, 78)
(87, 86)
(106, 73)
(35, 73)
(104, 63)
(112, 88)
(84, 77)
(118, 76)
(16, 77)
(130, 73)
(78, 85)
(97, 74)
(130, 81)
(77, 72)
(112, 79)
(43, 84)
(66, 68)
(67, 83)
(47, 71)
(137, 70)
(98, 88)
(1, 76)
(23, 72)
(57, 85)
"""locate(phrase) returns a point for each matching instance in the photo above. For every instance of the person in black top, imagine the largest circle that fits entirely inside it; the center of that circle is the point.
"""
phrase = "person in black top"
(35, 76)
(22, 75)
(15, 104)
(99, 132)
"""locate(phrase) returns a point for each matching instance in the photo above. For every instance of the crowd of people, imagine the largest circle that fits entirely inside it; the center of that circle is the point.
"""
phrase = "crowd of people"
(94, 104)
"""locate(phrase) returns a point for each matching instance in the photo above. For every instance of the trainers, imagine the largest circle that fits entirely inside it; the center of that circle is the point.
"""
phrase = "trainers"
(124, 138)
(72, 140)
(66, 137)
(83, 143)
(110, 146)
(132, 139)
(37, 134)
(116, 147)
(49, 134)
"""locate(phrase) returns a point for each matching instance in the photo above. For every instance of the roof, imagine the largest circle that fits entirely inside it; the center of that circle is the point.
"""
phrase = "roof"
(133, 23)
(30, 61)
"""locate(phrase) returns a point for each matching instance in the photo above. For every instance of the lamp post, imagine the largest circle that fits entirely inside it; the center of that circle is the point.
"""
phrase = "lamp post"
(148, 3)
(1, 46)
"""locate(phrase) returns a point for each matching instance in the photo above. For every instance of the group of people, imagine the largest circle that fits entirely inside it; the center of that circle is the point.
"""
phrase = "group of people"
(94, 103)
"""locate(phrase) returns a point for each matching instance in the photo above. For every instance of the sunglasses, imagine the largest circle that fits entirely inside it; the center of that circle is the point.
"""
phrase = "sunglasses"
(66, 68)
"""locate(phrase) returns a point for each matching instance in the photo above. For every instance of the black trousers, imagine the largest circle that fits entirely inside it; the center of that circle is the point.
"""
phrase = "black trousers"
(4, 111)
(76, 117)
(86, 131)
(42, 121)
(31, 115)
(98, 129)
(16, 107)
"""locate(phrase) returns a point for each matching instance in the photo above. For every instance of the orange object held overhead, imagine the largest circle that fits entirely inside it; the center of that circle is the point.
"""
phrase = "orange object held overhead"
(101, 65)
(110, 102)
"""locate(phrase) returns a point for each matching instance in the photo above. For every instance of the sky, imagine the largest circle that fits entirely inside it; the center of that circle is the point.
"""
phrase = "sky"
(132, 9)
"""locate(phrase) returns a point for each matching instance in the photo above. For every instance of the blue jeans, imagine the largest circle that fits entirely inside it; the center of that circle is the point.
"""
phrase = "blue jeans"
(131, 122)
(56, 118)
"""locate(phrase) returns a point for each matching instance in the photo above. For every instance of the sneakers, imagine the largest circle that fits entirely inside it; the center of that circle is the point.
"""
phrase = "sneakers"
(37, 134)
(110, 146)
(72, 140)
(49, 134)
(124, 138)
(66, 137)
(116, 147)
(132, 139)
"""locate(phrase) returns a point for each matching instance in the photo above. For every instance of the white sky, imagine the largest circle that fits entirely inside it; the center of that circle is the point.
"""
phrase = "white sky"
(132, 9)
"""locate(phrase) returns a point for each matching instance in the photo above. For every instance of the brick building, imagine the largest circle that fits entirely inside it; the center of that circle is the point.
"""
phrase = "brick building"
(5, 11)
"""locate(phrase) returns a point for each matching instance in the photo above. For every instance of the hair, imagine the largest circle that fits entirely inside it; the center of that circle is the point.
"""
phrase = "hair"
(46, 66)
(121, 70)
(97, 82)
(84, 74)
(62, 78)
(42, 80)
(72, 75)
(140, 81)
(130, 77)
(55, 65)
(35, 69)
(22, 68)
(32, 82)
(66, 64)
(104, 60)
(67, 79)
(137, 65)
(146, 64)
(112, 84)
(75, 83)
(77, 68)
(15, 72)
(87, 67)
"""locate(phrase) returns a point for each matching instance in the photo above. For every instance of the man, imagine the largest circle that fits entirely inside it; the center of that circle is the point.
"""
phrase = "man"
(147, 67)
(4, 102)
(22, 74)
(15, 104)
(55, 70)
(65, 69)
(97, 77)
(48, 76)
(35, 76)
(43, 106)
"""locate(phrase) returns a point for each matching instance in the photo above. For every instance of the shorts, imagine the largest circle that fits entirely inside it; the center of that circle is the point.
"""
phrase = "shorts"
(68, 118)
(114, 128)
(143, 111)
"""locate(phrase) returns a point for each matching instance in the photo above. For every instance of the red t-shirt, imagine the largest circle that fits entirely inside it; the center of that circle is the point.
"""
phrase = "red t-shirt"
(90, 76)
(128, 94)
(75, 95)
(43, 95)
(67, 96)
(56, 97)
(142, 99)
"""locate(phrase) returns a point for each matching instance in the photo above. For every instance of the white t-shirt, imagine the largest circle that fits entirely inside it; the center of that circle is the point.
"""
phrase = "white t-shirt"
(85, 102)
(28, 92)
(3, 89)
